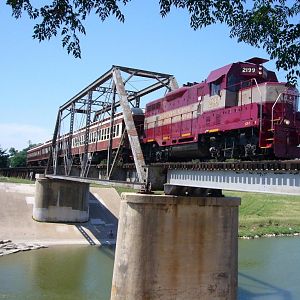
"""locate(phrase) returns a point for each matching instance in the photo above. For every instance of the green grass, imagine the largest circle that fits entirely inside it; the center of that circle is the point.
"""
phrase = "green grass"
(263, 214)
(15, 180)
(120, 190)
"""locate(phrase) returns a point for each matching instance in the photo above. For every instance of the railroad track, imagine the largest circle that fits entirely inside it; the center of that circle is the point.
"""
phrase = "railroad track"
(22, 172)
(278, 166)
(291, 166)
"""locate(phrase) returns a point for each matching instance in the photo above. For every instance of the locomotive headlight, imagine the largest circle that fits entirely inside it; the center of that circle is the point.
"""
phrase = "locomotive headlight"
(287, 122)
(260, 73)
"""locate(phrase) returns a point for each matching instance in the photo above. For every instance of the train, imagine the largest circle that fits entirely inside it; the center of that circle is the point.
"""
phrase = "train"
(240, 111)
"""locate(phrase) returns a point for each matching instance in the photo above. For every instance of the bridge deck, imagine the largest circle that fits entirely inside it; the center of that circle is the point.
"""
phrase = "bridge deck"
(277, 182)
(133, 185)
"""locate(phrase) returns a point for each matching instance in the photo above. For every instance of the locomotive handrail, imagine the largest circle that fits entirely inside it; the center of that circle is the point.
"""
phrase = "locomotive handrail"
(272, 113)
(261, 107)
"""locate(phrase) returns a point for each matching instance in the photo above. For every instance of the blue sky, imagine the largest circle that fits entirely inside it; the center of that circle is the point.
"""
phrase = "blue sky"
(36, 78)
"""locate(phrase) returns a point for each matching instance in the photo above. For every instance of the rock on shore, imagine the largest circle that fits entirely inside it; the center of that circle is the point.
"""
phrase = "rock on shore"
(8, 247)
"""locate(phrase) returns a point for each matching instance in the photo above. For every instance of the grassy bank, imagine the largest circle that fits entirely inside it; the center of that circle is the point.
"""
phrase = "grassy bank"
(264, 214)
(15, 180)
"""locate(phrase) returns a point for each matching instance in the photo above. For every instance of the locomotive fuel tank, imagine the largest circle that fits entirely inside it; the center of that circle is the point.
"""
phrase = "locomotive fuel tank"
(189, 151)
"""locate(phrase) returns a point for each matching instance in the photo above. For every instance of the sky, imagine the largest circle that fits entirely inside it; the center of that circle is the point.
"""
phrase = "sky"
(36, 78)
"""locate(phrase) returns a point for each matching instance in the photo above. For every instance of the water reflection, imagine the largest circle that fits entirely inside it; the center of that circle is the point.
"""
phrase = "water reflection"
(258, 289)
(68, 274)
(71, 272)
(268, 270)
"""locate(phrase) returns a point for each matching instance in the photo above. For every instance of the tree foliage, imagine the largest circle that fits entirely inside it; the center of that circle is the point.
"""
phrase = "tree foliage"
(19, 158)
(270, 24)
(3, 158)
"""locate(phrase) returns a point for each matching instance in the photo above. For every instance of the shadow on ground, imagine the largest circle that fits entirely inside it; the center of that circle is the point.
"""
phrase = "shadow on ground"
(102, 224)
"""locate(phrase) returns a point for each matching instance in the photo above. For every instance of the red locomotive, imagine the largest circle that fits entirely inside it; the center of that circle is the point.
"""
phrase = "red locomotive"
(240, 111)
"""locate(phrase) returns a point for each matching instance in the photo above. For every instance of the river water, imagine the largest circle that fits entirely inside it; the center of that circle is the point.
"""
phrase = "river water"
(268, 269)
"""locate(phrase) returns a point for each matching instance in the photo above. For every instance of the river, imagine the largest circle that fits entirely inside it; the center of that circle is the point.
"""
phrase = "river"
(269, 268)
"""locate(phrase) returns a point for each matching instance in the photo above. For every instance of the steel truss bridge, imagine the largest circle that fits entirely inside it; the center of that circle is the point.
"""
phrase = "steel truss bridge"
(102, 98)
(114, 91)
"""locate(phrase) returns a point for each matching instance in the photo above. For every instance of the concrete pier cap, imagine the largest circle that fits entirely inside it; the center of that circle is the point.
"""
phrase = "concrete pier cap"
(176, 247)
(60, 200)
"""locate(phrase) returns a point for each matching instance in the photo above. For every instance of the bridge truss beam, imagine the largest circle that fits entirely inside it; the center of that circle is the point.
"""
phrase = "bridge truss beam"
(100, 98)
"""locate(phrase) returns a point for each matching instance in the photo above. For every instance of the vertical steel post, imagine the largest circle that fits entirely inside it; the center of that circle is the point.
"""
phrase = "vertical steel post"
(86, 135)
(130, 126)
(112, 116)
(69, 151)
(71, 129)
(53, 155)
(117, 155)
(137, 101)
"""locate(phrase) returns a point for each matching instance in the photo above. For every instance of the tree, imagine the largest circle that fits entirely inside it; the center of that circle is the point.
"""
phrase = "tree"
(3, 158)
(270, 24)
(12, 151)
(19, 158)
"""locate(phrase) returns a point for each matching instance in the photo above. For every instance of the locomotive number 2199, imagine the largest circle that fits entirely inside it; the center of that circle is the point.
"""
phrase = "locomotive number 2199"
(248, 70)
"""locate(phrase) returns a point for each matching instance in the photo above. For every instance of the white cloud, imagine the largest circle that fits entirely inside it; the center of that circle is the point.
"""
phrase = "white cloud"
(18, 135)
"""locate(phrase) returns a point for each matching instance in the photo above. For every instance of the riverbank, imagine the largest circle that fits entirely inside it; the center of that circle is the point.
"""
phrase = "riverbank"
(260, 215)
(267, 214)
(17, 225)
(8, 247)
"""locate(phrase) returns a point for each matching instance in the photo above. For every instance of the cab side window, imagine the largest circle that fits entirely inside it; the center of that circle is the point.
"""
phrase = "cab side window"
(215, 87)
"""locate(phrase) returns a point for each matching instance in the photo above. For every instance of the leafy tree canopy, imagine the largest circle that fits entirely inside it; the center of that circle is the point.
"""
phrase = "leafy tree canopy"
(19, 158)
(3, 158)
(12, 151)
(270, 24)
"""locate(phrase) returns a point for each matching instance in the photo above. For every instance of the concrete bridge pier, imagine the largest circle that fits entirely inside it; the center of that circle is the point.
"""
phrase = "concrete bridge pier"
(171, 247)
(60, 201)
